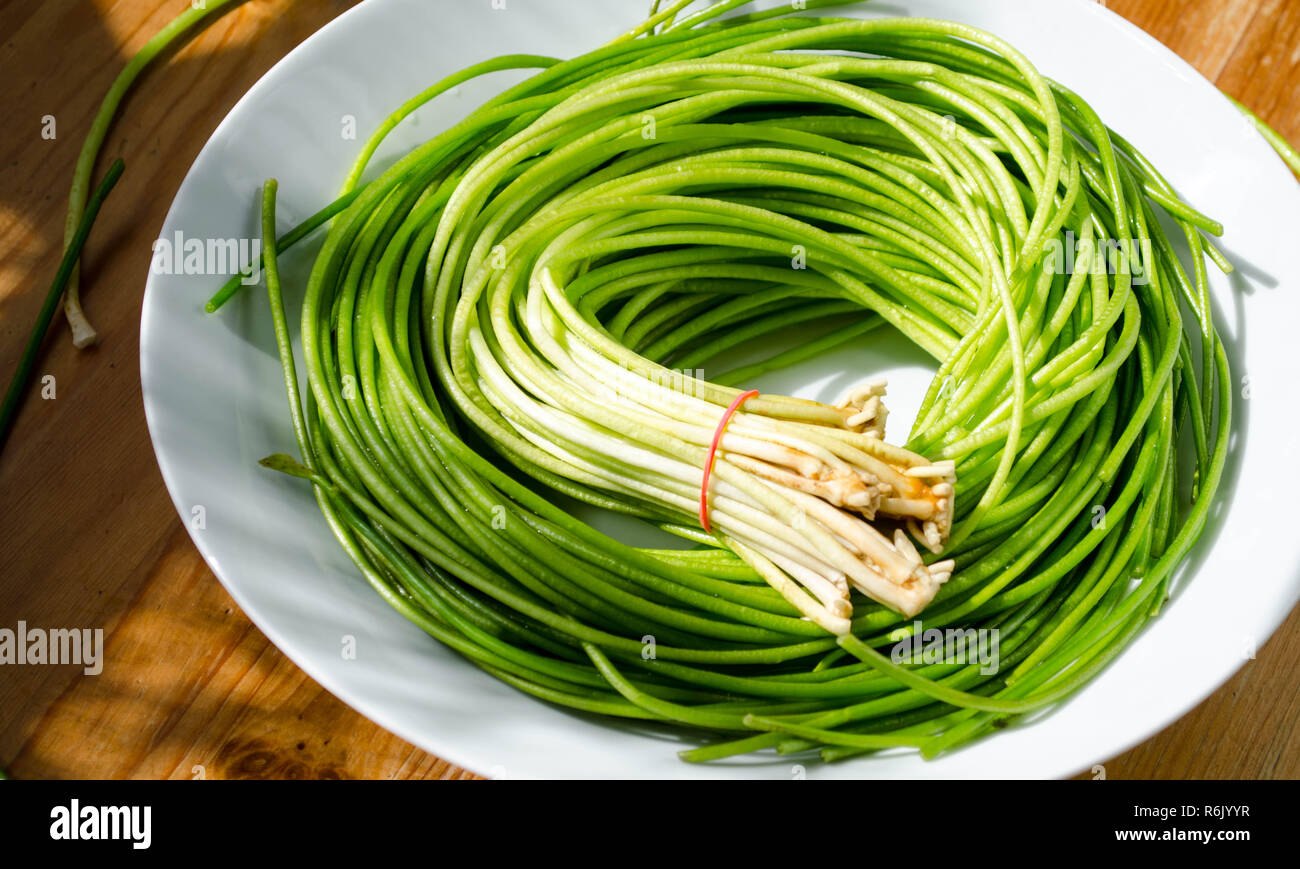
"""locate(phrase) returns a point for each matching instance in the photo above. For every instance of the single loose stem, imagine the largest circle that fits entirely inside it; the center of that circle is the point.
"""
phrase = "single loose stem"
(83, 333)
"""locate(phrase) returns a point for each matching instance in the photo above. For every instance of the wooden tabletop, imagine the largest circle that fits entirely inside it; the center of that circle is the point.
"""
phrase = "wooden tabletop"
(190, 688)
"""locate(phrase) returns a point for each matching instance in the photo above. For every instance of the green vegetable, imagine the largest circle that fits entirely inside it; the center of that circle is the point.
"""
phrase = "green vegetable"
(1284, 150)
(83, 333)
(66, 286)
(491, 330)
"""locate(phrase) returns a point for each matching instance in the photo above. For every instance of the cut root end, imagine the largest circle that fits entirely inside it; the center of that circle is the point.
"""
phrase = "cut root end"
(862, 508)
(83, 334)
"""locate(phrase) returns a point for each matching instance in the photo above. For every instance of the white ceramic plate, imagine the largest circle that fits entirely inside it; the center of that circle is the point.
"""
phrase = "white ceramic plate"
(215, 403)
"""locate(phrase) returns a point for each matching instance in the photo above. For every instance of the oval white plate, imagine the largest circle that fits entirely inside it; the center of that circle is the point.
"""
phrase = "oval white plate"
(215, 403)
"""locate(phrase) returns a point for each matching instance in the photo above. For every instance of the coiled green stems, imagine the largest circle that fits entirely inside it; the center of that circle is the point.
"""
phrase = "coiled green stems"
(478, 308)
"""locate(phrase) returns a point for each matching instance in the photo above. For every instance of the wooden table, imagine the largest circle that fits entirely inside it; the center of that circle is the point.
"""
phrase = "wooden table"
(191, 688)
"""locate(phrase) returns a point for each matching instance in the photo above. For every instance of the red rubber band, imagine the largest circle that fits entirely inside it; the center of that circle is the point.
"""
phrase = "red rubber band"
(713, 449)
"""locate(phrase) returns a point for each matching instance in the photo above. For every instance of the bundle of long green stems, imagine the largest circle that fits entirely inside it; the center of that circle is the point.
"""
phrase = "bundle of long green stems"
(512, 319)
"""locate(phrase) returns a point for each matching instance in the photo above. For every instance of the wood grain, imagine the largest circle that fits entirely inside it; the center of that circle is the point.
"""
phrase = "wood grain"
(190, 688)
